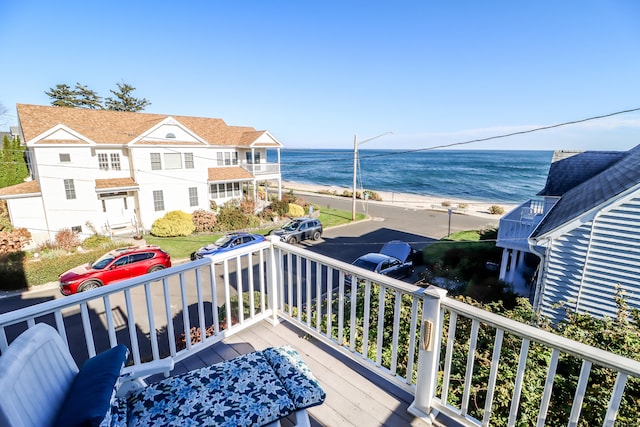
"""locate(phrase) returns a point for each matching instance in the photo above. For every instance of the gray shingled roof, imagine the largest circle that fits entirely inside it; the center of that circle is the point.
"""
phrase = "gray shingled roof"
(571, 168)
(591, 192)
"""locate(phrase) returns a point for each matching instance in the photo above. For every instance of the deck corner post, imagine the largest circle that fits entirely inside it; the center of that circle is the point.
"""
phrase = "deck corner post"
(272, 280)
(429, 354)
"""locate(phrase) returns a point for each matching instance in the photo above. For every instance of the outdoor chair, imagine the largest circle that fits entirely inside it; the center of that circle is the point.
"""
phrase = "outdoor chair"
(42, 386)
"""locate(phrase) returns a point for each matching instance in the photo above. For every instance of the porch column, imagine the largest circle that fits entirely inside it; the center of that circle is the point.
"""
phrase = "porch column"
(513, 265)
(428, 355)
(503, 264)
(279, 188)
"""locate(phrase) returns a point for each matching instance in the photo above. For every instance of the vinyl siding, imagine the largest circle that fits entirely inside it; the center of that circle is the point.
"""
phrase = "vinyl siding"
(611, 260)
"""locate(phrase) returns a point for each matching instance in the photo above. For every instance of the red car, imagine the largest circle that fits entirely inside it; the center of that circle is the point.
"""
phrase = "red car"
(119, 264)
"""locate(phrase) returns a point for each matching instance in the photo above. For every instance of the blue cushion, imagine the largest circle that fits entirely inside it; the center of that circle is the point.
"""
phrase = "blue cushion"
(88, 400)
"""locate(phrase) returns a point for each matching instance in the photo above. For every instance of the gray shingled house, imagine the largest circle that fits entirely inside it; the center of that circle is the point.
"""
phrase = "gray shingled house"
(579, 243)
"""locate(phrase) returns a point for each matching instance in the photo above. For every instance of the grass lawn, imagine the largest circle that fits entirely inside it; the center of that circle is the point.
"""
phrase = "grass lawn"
(459, 240)
(182, 247)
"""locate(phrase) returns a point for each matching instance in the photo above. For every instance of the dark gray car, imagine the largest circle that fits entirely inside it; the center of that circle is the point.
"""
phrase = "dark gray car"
(299, 229)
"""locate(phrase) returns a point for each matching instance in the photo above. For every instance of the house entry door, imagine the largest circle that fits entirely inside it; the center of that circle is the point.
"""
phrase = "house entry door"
(118, 210)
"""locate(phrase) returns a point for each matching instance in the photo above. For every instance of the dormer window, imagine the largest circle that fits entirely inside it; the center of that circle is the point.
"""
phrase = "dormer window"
(170, 136)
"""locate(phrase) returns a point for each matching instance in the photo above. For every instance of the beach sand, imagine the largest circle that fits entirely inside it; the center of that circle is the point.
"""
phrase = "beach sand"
(411, 201)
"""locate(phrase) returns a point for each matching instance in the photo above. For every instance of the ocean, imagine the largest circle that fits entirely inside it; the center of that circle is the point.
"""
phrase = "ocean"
(510, 176)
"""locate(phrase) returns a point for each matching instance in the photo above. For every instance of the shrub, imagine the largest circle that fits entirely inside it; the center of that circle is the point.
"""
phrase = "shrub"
(295, 210)
(289, 197)
(66, 239)
(279, 207)
(496, 210)
(204, 221)
(231, 217)
(95, 241)
(488, 233)
(173, 224)
(14, 240)
(213, 205)
(463, 205)
(247, 205)
(374, 196)
(446, 203)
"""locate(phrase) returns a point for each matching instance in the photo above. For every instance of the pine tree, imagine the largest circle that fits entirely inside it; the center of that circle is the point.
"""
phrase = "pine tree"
(62, 96)
(87, 98)
(123, 100)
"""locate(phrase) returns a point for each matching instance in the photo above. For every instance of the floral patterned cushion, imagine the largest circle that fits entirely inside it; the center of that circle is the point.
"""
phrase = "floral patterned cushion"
(302, 386)
(250, 390)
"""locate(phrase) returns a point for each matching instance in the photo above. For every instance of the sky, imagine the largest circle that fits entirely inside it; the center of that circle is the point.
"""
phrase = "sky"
(321, 74)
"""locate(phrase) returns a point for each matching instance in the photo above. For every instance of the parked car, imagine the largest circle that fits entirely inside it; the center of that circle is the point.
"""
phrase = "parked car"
(227, 243)
(118, 264)
(299, 229)
(395, 259)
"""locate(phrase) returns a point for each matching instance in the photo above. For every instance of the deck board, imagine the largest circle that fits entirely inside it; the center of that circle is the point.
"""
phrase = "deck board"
(355, 397)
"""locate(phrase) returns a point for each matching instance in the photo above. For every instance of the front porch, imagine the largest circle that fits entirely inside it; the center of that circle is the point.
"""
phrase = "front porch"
(386, 352)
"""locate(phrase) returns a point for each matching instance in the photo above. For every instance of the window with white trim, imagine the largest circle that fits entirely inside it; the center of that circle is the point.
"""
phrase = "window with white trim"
(115, 161)
(65, 157)
(193, 196)
(188, 161)
(220, 162)
(69, 189)
(158, 200)
(172, 161)
(156, 163)
(103, 161)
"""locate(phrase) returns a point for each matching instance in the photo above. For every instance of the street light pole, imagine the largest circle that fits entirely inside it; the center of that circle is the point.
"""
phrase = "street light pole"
(355, 168)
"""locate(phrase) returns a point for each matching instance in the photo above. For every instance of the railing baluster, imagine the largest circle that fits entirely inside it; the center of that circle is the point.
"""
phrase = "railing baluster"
(493, 375)
(517, 389)
(451, 336)
(340, 308)
(203, 326)
(365, 319)
(307, 287)
(580, 392)
(329, 299)
(171, 334)
(290, 282)
(240, 289)
(614, 402)
(214, 298)
(412, 339)
(250, 287)
(60, 326)
(381, 309)
(131, 324)
(227, 293)
(396, 331)
(548, 388)
(111, 329)
(353, 298)
(86, 327)
(299, 287)
(261, 273)
(185, 312)
(318, 297)
(468, 377)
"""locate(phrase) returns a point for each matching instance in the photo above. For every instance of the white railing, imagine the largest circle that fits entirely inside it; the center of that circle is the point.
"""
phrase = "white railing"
(261, 168)
(419, 339)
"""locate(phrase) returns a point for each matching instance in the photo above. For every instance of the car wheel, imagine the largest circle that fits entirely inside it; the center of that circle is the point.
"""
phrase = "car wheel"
(89, 285)
(292, 240)
(316, 235)
(156, 268)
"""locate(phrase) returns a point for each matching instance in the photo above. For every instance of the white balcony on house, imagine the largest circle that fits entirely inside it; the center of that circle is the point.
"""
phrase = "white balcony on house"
(386, 352)
(261, 169)
(516, 226)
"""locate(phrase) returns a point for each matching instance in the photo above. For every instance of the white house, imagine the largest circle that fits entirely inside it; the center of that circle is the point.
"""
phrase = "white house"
(579, 245)
(108, 171)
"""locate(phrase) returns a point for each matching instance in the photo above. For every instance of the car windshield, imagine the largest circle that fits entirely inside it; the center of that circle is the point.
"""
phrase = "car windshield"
(224, 241)
(367, 265)
(292, 226)
(102, 262)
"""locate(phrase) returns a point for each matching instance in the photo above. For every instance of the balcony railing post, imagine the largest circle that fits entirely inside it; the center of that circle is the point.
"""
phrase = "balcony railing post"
(272, 279)
(429, 353)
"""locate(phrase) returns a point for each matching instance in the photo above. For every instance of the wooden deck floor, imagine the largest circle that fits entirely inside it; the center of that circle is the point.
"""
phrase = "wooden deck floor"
(355, 397)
